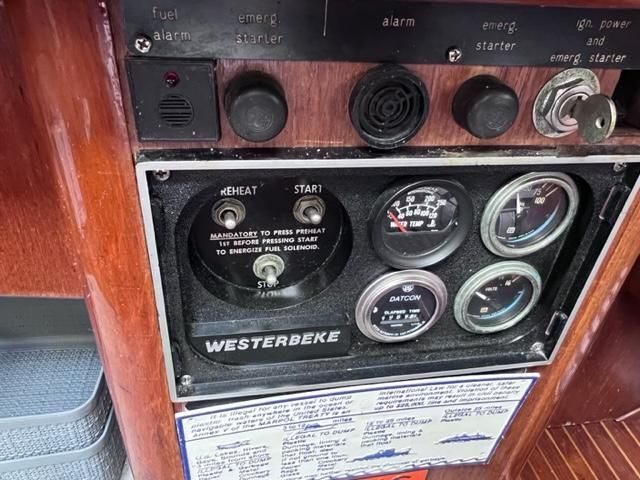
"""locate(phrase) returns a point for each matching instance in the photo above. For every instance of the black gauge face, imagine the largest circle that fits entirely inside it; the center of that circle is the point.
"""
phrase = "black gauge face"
(400, 306)
(425, 209)
(529, 213)
(403, 311)
(499, 300)
(497, 297)
(421, 223)
(532, 213)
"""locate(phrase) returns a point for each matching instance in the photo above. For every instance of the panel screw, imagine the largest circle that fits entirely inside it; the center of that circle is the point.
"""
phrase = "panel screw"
(619, 167)
(143, 43)
(538, 348)
(162, 175)
(454, 54)
(186, 380)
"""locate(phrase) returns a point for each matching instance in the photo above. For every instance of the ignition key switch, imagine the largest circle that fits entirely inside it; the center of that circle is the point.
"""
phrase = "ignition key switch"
(571, 101)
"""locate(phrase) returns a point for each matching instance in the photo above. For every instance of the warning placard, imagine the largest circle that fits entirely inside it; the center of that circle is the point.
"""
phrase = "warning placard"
(375, 431)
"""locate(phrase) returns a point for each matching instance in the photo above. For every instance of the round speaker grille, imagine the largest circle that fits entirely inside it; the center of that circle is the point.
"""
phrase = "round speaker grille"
(388, 106)
(175, 111)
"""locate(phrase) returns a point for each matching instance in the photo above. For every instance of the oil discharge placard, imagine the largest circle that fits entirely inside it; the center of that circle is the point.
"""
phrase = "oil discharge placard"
(364, 431)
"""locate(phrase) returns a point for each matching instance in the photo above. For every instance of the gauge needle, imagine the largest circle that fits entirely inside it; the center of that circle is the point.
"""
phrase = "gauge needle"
(397, 222)
(486, 299)
(551, 192)
(518, 206)
(481, 296)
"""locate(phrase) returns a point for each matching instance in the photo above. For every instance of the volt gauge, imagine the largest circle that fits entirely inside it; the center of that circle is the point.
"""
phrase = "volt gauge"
(529, 213)
(497, 297)
(422, 223)
(400, 306)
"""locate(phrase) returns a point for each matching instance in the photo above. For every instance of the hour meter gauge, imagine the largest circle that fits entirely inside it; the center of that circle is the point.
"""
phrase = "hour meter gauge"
(400, 306)
(419, 224)
(497, 297)
(529, 213)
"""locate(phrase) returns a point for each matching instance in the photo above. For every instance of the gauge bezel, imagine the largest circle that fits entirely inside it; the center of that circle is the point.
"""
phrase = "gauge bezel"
(395, 259)
(497, 202)
(382, 286)
(480, 278)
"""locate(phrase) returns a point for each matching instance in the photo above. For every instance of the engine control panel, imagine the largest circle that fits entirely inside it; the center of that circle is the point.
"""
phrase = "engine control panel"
(329, 270)
(357, 191)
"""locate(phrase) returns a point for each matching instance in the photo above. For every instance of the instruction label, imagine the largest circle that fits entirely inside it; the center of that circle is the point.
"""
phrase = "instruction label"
(353, 432)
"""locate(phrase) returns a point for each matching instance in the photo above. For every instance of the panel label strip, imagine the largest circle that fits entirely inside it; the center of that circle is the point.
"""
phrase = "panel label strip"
(402, 31)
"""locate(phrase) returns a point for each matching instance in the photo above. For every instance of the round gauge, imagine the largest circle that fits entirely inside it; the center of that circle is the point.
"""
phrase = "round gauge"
(497, 297)
(400, 306)
(529, 213)
(422, 223)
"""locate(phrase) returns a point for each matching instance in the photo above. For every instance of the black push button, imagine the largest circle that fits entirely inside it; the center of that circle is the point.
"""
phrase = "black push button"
(256, 106)
(485, 107)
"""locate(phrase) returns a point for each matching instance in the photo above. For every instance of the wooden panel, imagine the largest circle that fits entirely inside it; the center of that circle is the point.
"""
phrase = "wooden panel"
(318, 97)
(607, 385)
(632, 285)
(322, 117)
(70, 78)
(598, 451)
(36, 255)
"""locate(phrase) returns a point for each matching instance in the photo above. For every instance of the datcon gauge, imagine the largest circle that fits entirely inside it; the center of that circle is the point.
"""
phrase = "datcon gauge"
(529, 213)
(421, 223)
(400, 306)
(497, 297)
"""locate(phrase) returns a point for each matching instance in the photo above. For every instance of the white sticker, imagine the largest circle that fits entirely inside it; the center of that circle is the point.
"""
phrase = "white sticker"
(353, 431)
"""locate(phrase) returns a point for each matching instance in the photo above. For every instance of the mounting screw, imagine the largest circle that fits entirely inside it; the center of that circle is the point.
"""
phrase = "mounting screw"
(454, 54)
(162, 175)
(143, 43)
(538, 348)
(186, 380)
(619, 167)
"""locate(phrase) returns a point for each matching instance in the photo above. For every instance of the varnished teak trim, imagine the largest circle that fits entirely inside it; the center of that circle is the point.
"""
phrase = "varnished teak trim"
(71, 78)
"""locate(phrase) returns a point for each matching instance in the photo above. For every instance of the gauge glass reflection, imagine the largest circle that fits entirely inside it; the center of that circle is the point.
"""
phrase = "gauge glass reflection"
(532, 213)
(497, 297)
(500, 299)
(529, 213)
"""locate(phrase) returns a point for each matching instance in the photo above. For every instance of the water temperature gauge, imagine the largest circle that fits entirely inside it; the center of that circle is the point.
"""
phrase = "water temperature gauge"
(497, 297)
(420, 224)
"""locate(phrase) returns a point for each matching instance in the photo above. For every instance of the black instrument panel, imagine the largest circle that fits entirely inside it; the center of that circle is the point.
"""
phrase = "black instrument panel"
(343, 313)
